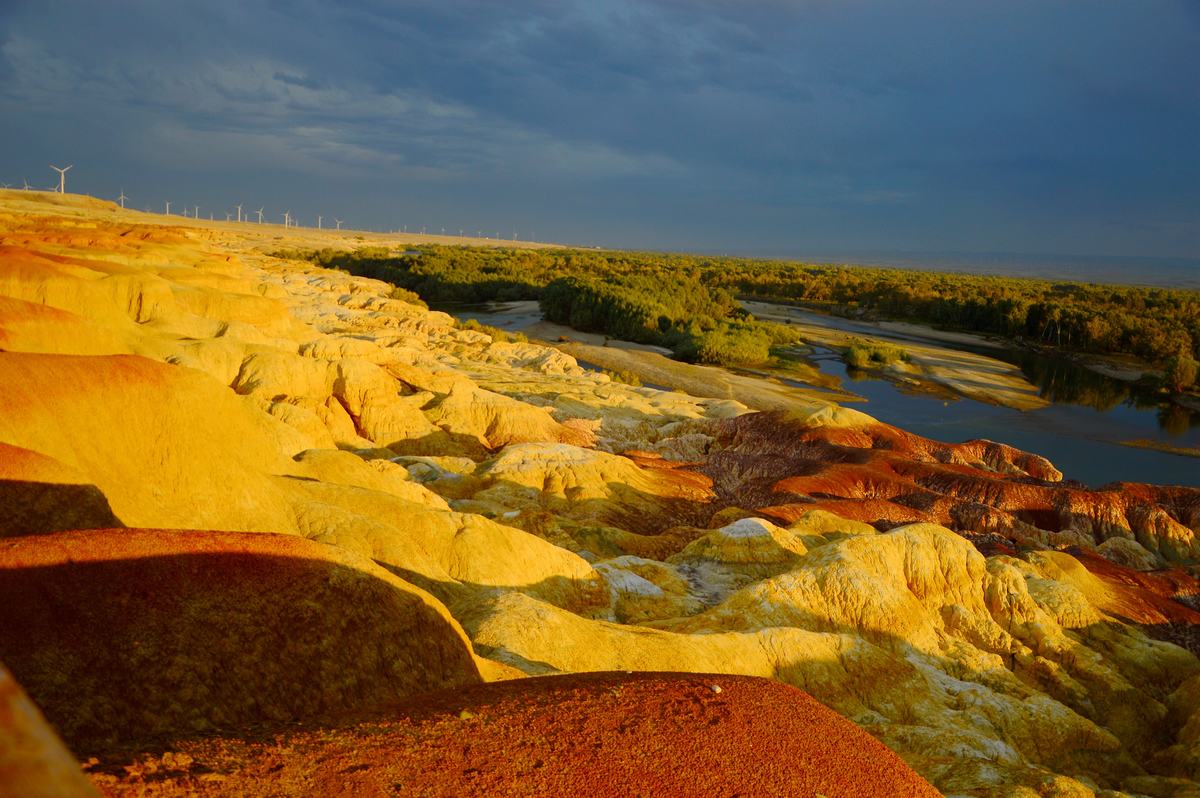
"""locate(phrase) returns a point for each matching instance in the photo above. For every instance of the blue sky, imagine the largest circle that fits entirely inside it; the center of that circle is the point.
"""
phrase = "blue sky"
(806, 127)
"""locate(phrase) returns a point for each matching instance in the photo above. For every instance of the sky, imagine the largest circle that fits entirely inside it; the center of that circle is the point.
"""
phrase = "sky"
(752, 126)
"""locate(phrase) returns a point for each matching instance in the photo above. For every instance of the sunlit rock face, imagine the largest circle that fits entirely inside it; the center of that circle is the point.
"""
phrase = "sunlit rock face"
(476, 510)
(784, 467)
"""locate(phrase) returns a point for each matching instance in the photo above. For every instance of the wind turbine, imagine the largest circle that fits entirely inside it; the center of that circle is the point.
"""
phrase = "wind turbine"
(287, 218)
(62, 177)
(228, 215)
(168, 207)
(26, 182)
(318, 222)
(196, 212)
(339, 223)
(5, 185)
(259, 212)
(239, 207)
(121, 199)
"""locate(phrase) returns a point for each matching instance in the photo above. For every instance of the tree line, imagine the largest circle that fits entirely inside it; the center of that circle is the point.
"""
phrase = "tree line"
(687, 302)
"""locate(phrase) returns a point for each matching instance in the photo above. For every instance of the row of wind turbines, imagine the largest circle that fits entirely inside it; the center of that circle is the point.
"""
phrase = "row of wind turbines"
(61, 188)
(236, 215)
(288, 219)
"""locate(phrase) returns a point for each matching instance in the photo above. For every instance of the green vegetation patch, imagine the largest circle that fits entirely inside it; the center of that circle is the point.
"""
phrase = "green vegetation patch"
(687, 302)
(874, 354)
(621, 375)
(497, 334)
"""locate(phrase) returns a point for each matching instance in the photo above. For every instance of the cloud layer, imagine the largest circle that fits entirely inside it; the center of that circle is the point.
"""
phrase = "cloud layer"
(807, 126)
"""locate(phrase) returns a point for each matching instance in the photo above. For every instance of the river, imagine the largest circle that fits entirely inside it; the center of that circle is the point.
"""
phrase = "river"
(1081, 430)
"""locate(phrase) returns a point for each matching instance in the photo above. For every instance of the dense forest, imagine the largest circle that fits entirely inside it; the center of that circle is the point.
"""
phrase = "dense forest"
(686, 302)
(1159, 326)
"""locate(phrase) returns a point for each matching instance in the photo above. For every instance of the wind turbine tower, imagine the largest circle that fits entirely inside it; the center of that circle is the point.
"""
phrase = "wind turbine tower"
(318, 222)
(259, 212)
(121, 199)
(62, 177)
(239, 212)
(287, 218)
(339, 223)
(168, 207)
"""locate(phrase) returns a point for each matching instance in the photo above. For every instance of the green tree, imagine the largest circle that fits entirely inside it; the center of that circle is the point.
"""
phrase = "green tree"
(1181, 373)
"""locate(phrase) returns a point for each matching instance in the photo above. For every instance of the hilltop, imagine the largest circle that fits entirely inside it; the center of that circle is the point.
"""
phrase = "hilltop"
(257, 512)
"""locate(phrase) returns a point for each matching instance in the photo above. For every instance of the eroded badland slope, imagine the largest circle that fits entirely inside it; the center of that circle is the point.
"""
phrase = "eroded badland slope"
(253, 514)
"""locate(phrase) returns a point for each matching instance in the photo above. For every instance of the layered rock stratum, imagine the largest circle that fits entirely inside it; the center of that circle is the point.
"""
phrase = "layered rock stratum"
(251, 509)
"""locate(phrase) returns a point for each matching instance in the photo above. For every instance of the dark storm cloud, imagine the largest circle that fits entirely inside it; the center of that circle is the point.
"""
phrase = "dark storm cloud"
(703, 123)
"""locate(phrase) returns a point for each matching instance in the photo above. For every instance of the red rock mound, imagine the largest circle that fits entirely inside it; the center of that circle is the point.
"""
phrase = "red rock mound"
(1164, 602)
(884, 476)
(590, 735)
(124, 635)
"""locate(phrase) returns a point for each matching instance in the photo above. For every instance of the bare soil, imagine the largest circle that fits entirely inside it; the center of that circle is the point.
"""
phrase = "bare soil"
(605, 734)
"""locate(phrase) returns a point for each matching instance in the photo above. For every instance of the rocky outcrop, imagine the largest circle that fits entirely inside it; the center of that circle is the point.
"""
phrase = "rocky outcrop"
(897, 631)
(588, 485)
(882, 475)
(168, 446)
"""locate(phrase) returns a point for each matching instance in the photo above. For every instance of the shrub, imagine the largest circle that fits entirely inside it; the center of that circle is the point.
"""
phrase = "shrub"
(411, 297)
(873, 354)
(496, 333)
(727, 345)
(621, 375)
(1181, 373)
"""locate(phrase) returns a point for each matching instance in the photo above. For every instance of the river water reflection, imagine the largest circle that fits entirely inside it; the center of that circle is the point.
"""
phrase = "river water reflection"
(1080, 431)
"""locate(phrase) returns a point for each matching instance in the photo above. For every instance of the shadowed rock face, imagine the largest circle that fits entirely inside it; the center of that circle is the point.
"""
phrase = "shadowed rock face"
(124, 636)
(1001, 630)
(40, 494)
